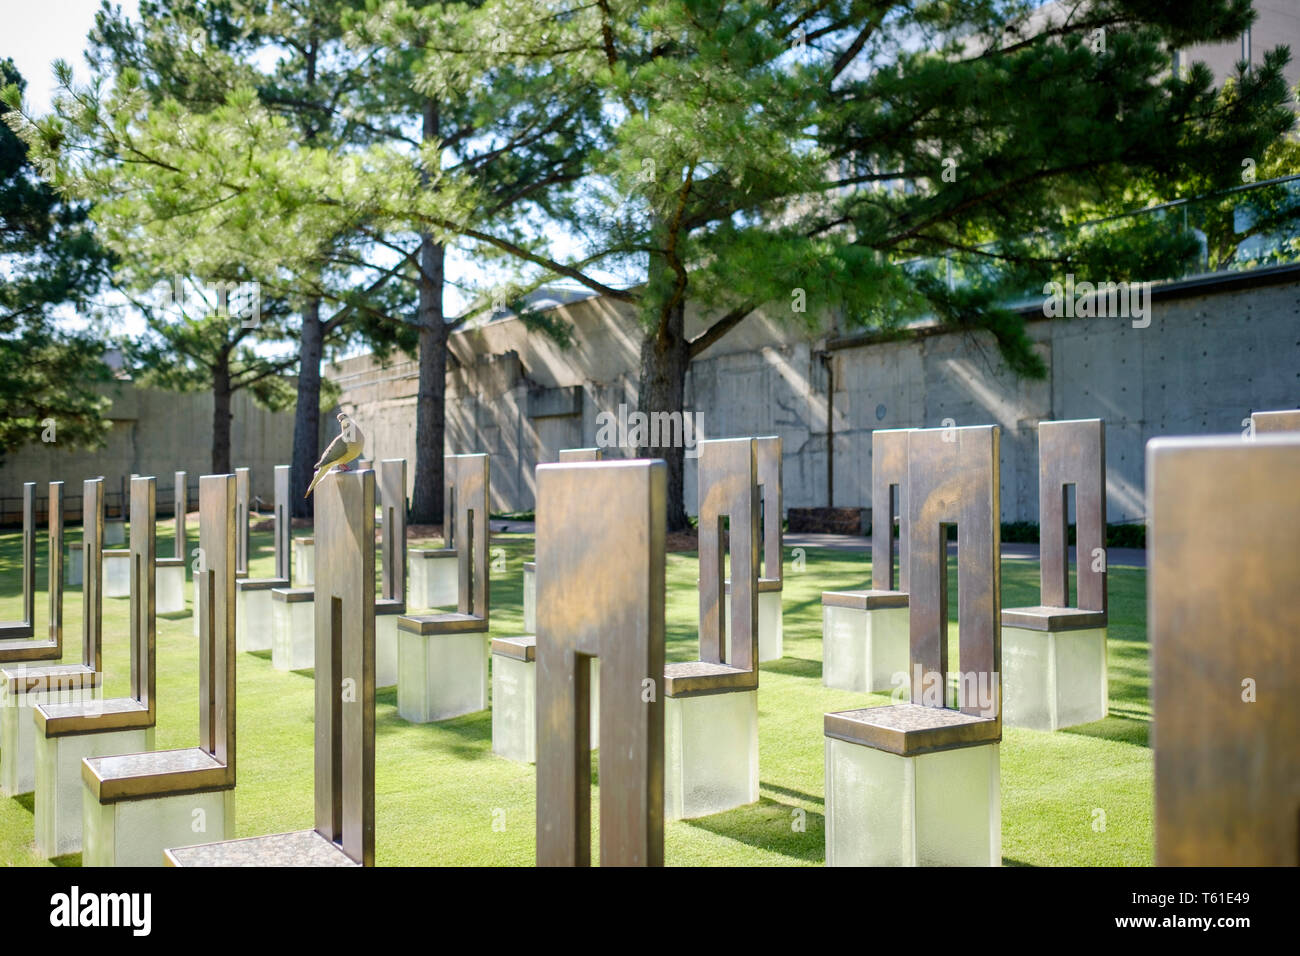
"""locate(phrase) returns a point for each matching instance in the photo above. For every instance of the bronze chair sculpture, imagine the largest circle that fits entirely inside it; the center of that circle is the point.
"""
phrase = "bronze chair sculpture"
(392, 550)
(514, 671)
(864, 633)
(68, 732)
(25, 628)
(1284, 421)
(917, 783)
(254, 610)
(30, 674)
(711, 710)
(170, 590)
(344, 833)
(443, 658)
(136, 805)
(601, 597)
(1054, 655)
(1225, 648)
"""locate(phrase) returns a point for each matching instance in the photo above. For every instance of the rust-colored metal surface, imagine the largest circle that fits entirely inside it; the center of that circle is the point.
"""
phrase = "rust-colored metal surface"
(571, 455)
(283, 526)
(889, 472)
(140, 709)
(767, 457)
(18, 630)
(1283, 421)
(92, 574)
(180, 542)
(345, 663)
(392, 497)
(864, 600)
(211, 765)
(1224, 625)
(242, 503)
(911, 729)
(14, 647)
(466, 498)
(600, 593)
(1072, 453)
(728, 488)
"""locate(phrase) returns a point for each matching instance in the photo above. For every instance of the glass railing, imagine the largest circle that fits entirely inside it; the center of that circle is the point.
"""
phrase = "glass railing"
(1253, 226)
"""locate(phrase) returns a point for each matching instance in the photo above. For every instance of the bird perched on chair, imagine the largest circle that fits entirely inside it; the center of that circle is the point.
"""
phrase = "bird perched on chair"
(344, 448)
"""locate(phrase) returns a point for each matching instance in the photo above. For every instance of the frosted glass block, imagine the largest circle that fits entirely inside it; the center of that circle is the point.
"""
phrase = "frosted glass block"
(254, 616)
(18, 728)
(136, 832)
(114, 533)
(441, 675)
(1053, 679)
(530, 601)
(169, 589)
(117, 575)
(710, 753)
(514, 708)
(434, 581)
(770, 641)
(386, 650)
(304, 563)
(293, 635)
(59, 787)
(74, 565)
(864, 650)
(934, 809)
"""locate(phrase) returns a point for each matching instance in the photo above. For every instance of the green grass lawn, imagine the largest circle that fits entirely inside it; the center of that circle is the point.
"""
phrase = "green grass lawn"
(443, 798)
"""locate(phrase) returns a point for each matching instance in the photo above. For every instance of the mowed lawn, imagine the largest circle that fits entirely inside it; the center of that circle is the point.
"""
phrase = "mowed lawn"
(1079, 797)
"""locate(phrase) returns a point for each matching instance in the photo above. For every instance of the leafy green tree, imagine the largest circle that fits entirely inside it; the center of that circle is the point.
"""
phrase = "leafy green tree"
(49, 258)
(797, 156)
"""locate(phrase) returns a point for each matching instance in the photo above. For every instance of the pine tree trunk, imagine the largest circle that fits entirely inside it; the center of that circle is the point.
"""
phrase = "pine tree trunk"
(665, 358)
(431, 393)
(221, 395)
(306, 419)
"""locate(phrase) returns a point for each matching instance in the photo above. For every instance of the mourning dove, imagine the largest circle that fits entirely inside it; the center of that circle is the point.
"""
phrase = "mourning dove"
(346, 446)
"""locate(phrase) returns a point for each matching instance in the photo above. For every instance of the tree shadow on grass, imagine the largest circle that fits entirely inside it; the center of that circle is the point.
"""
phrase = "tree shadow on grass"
(795, 667)
(772, 826)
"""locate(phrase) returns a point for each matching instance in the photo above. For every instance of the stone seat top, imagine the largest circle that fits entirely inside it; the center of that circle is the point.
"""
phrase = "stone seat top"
(293, 595)
(23, 648)
(697, 678)
(91, 717)
(299, 848)
(260, 584)
(867, 600)
(1040, 618)
(116, 552)
(530, 565)
(764, 584)
(17, 630)
(170, 562)
(433, 552)
(911, 729)
(154, 774)
(390, 606)
(521, 648)
(452, 622)
(25, 679)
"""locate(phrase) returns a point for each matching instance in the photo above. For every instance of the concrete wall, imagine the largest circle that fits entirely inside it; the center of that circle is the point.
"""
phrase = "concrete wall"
(1214, 352)
(155, 433)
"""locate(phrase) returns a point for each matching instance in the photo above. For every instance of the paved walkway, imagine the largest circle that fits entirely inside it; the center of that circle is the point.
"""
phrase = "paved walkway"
(1117, 557)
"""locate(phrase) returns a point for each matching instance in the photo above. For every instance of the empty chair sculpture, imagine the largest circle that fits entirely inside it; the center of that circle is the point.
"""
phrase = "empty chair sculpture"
(1263, 423)
(1225, 648)
(25, 628)
(391, 604)
(1054, 655)
(864, 633)
(917, 783)
(711, 710)
(137, 805)
(514, 668)
(600, 548)
(443, 658)
(344, 833)
(28, 677)
(435, 572)
(771, 577)
(170, 592)
(253, 606)
(68, 732)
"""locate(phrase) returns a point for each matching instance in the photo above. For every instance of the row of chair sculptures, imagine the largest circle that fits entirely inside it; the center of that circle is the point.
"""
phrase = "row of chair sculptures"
(599, 598)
